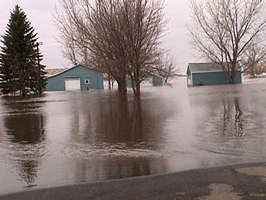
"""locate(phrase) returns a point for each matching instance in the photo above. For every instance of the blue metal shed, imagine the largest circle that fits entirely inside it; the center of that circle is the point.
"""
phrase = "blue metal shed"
(199, 74)
(129, 83)
(157, 80)
(76, 78)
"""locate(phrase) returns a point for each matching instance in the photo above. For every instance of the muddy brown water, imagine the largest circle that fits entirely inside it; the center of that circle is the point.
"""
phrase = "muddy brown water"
(71, 137)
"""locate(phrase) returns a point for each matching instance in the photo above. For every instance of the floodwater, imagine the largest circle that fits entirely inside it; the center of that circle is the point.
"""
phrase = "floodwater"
(70, 137)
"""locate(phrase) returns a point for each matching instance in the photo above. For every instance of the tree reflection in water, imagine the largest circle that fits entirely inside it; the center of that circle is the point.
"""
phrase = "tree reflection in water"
(233, 122)
(238, 119)
(119, 137)
(26, 135)
(225, 131)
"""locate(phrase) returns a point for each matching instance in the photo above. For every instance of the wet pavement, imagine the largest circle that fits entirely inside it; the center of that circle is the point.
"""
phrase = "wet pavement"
(240, 182)
(69, 138)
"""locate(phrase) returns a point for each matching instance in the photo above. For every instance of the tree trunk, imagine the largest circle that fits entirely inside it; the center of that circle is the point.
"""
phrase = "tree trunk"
(122, 86)
(136, 81)
(23, 92)
(233, 73)
(135, 86)
(109, 81)
(137, 92)
(112, 84)
(232, 79)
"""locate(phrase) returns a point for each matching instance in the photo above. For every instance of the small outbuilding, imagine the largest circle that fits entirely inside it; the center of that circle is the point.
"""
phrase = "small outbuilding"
(76, 78)
(157, 81)
(199, 74)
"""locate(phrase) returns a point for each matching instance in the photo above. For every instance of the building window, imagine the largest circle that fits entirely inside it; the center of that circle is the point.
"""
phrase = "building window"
(87, 81)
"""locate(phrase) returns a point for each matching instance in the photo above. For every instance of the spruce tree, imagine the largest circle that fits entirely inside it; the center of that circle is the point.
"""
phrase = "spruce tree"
(20, 68)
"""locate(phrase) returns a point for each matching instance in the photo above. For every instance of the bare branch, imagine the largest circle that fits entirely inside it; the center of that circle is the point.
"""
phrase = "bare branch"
(120, 37)
(226, 29)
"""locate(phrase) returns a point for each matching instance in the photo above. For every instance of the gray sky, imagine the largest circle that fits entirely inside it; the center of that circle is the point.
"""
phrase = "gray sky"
(40, 13)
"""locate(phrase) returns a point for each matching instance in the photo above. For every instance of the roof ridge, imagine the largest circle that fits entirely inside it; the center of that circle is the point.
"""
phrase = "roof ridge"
(206, 67)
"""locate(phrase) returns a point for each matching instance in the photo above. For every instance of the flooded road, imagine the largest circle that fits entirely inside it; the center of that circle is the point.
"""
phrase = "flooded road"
(68, 138)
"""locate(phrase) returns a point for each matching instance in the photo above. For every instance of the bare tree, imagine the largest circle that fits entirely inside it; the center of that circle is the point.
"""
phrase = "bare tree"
(120, 37)
(255, 60)
(226, 29)
(167, 68)
(144, 22)
(94, 26)
(73, 49)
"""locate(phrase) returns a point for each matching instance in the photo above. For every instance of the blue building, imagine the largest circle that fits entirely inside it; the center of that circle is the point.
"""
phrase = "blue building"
(157, 80)
(199, 74)
(129, 83)
(76, 78)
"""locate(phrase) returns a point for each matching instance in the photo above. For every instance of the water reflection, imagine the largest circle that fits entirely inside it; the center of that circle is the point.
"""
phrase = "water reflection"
(67, 137)
(117, 167)
(233, 128)
(233, 118)
(227, 118)
(123, 122)
(116, 139)
(25, 131)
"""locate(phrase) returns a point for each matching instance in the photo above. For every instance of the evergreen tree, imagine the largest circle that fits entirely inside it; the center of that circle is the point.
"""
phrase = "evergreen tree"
(20, 68)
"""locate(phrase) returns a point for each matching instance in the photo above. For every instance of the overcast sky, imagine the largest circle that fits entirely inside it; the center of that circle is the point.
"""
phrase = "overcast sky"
(40, 13)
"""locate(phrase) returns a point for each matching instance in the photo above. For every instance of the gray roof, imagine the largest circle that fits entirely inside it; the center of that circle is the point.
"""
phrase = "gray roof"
(68, 69)
(205, 67)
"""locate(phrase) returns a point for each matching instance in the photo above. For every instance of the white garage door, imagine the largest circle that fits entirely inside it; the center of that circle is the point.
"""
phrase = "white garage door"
(72, 84)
